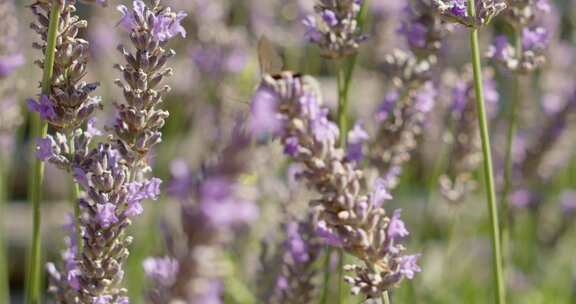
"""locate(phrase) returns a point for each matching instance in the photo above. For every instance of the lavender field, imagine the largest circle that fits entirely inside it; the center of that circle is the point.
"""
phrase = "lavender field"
(288, 151)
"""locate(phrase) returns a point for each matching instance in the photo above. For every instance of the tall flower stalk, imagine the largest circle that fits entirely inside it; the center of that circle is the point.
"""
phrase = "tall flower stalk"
(113, 175)
(474, 14)
(499, 283)
(344, 216)
(40, 130)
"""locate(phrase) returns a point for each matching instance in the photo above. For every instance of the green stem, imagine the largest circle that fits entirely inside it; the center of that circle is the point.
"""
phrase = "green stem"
(40, 130)
(326, 288)
(488, 169)
(385, 298)
(4, 269)
(342, 103)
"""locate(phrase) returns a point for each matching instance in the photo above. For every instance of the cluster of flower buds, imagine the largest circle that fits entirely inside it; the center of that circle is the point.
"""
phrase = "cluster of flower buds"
(113, 183)
(344, 217)
(529, 51)
(69, 104)
(466, 154)
(403, 111)
(213, 206)
(334, 27)
(423, 30)
(111, 199)
(140, 119)
(295, 283)
(555, 126)
(459, 11)
(10, 59)
(401, 116)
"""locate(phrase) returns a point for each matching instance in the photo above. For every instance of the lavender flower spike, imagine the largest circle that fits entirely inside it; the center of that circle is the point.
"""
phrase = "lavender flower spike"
(137, 128)
(295, 283)
(457, 11)
(345, 217)
(212, 207)
(69, 103)
(334, 27)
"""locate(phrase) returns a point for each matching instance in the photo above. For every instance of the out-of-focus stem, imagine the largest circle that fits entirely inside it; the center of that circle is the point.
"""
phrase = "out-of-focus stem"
(326, 287)
(39, 130)
(342, 103)
(385, 298)
(4, 275)
(488, 169)
(508, 161)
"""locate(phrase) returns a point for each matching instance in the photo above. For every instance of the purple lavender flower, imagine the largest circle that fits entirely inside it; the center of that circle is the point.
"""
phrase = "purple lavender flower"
(334, 27)
(396, 227)
(46, 147)
(296, 280)
(163, 24)
(534, 38)
(409, 266)
(264, 119)
(387, 106)
(162, 270)
(457, 11)
(44, 106)
(356, 139)
(343, 214)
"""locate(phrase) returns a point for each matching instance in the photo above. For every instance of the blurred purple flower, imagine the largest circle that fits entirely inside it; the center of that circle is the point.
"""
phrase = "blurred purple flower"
(329, 237)
(520, 198)
(425, 98)
(396, 227)
(409, 266)
(44, 107)
(294, 243)
(535, 38)
(91, 129)
(291, 146)
(312, 34)
(415, 33)
(45, 148)
(181, 182)
(380, 193)
(265, 120)
(356, 139)
(139, 191)
(387, 106)
(219, 205)
(162, 270)
(164, 26)
(106, 215)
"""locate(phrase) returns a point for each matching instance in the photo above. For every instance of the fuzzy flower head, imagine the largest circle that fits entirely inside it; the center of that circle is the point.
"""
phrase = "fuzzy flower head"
(531, 54)
(334, 27)
(161, 22)
(459, 11)
(162, 270)
(422, 28)
(44, 106)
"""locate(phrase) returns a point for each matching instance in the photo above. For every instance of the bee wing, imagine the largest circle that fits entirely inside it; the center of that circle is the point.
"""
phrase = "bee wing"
(270, 61)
